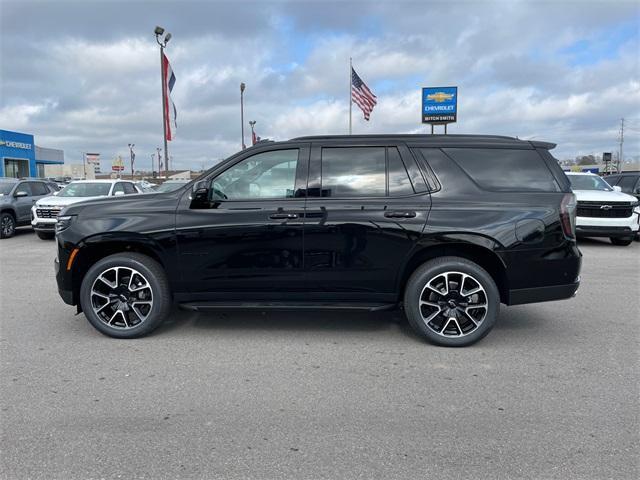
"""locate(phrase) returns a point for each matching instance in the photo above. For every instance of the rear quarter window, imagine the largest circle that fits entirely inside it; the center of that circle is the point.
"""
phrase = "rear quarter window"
(501, 169)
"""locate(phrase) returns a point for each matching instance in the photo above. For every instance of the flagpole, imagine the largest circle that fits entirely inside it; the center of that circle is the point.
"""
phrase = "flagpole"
(350, 97)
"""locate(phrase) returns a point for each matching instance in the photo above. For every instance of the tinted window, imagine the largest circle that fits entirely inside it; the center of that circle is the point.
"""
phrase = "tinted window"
(612, 179)
(38, 188)
(118, 187)
(505, 169)
(627, 183)
(399, 182)
(85, 190)
(264, 175)
(6, 187)
(353, 172)
(129, 189)
(24, 187)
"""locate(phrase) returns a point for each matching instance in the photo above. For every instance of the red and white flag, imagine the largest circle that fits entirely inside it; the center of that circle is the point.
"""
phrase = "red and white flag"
(171, 113)
(361, 95)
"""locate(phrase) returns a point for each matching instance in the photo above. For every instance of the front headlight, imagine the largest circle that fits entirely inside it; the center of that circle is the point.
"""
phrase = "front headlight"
(64, 222)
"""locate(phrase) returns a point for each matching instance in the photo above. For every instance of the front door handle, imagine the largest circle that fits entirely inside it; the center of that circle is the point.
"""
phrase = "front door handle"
(400, 214)
(283, 216)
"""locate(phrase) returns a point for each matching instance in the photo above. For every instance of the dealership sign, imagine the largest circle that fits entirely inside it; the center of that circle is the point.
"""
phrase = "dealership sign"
(439, 104)
(11, 144)
(117, 165)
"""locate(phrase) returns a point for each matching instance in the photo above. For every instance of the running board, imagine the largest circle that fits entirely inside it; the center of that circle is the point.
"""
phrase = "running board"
(230, 305)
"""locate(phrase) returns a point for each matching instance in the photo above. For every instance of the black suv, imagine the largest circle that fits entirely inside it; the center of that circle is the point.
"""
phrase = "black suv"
(629, 182)
(447, 227)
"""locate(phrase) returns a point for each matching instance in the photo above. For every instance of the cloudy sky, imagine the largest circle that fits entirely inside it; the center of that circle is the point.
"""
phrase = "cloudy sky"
(84, 75)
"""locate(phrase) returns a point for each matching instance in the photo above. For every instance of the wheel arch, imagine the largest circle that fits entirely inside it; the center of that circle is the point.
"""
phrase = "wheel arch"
(10, 211)
(478, 252)
(95, 248)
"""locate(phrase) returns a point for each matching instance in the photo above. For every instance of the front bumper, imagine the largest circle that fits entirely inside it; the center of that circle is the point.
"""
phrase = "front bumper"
(63, 279)
(607, 227)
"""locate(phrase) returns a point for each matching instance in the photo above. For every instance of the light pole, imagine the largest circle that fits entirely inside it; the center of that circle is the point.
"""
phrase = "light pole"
(153, 167)
(158, 149)
(159, 31)
(132, 156)
(253, 133)
(242, 87)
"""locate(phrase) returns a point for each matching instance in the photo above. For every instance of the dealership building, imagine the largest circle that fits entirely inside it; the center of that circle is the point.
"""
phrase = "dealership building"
(21, 157)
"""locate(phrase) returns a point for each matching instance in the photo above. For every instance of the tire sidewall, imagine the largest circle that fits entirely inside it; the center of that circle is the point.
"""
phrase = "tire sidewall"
(159, 308)
(13, 221)
(426, 273)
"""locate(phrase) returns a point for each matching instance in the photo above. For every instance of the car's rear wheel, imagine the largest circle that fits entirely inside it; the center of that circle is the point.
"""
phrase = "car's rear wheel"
(451, 301)
(45, 235)
(125, 295)
(7, 225)
(622, 242)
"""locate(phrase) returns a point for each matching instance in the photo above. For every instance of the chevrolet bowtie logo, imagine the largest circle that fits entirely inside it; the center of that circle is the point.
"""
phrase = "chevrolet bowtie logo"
(440, 97)
(605, 207)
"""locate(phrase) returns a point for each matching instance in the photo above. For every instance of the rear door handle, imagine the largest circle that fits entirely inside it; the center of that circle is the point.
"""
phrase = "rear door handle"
(283, 216)
(400, 214)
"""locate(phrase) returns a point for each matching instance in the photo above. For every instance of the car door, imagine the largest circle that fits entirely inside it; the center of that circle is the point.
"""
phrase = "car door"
(366, 208)
(246, 238)
(24, 203)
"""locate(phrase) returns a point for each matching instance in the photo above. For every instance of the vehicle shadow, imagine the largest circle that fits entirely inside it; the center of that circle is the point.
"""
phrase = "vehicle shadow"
(282, 320)
(513, 320)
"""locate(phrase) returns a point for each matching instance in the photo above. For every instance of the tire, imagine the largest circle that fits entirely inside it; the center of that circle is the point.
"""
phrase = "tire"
(444, 320)
(7, 225)
(45, 235)
(106, 294)
(621, 242)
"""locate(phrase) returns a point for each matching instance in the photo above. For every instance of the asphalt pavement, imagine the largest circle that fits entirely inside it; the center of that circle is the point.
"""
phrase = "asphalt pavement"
(551, 393)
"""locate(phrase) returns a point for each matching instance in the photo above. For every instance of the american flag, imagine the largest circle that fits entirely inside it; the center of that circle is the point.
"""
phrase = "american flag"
(170, 107)
(361, 95)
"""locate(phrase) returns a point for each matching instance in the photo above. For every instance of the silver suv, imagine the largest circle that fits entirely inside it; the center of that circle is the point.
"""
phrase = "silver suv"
(16, 199)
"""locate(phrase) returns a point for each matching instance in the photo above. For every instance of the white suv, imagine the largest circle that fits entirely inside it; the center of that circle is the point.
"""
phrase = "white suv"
(603, 210)
(45, 212)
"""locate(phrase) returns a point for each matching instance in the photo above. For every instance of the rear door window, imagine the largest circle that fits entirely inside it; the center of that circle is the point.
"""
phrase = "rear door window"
(399, 182)
(354, 172)
(38, 189)
(502, 169)
(129, 189)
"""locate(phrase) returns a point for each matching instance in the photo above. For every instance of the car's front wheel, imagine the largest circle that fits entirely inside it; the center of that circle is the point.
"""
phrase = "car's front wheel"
(451, 301)
(7, 225)
(125, 295)
(621, 242)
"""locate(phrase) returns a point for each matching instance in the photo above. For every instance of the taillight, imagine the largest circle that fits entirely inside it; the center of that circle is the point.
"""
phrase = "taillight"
(568, 207)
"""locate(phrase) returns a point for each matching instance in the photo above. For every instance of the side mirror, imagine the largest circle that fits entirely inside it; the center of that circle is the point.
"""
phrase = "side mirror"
(617, 188)
(21, 193)
(200, 194)
(118, 194)
(56, 193)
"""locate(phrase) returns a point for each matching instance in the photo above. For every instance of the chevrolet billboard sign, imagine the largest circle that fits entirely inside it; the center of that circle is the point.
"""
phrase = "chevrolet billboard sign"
(439, 105)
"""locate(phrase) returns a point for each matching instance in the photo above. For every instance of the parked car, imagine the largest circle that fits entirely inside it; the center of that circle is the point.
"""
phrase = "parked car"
(629, 182)
(45, 212)
(16, 199)
(603, 210)
(171, 185)
(145, 187)
(448, 227)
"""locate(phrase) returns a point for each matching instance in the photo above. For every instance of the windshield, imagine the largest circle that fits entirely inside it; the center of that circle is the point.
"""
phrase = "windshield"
(5, 187)
(170, 186)
(588, 182)
(85, 190)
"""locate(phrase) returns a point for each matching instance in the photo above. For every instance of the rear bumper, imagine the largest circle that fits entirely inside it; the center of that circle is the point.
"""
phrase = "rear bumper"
(543, 294)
